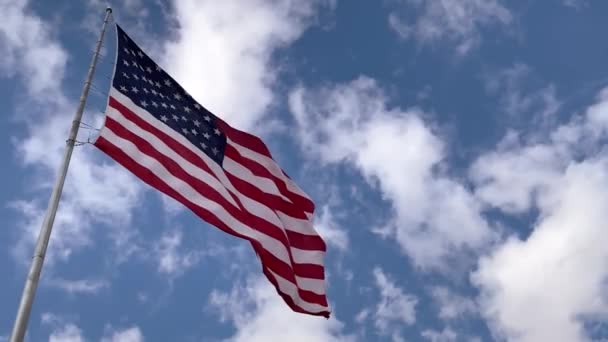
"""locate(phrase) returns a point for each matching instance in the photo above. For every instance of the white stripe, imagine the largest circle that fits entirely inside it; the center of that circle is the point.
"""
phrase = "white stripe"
(270, 165)
(262, 183)
(291, 290)
(276, 247)
(297, 225)
(165, 150)
(313, 285)
(301, 256)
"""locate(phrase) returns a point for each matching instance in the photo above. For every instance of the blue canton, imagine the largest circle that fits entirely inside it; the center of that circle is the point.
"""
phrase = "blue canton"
(151, 88)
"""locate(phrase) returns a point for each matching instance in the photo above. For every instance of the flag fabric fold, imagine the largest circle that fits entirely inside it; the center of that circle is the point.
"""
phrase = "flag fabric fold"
(227, 177)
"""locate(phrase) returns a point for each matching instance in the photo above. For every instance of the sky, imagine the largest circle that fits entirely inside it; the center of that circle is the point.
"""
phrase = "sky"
(454, 150)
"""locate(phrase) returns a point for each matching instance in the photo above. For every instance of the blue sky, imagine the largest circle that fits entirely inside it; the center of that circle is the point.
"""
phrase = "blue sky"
(454, 148)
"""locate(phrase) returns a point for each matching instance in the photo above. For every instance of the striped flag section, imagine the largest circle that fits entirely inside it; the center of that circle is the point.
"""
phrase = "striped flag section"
(227, 177)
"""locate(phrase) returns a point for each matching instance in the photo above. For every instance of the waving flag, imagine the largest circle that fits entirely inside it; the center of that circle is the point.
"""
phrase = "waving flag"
(227, 177)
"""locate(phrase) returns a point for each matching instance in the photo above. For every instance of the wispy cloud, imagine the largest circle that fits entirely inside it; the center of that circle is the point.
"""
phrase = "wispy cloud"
(81, 286)
(131, 334)
(395, 307)
(459, 22)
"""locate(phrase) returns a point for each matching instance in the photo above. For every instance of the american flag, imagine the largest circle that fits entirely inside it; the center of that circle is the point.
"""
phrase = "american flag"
(227, 177)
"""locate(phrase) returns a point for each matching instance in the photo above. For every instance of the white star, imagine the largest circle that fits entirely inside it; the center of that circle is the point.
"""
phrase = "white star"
(214, 150)
(125, 75)
(133, 52)
(175, 117)
(197, 106)
(164, 118)
(204, 146)
(163, 104)
(187, 109)
(157, 84)
(153, 91)
(172, 106)
(148, 69)
(206, 135)
(207, 118)
(123, 88)
(144, 103)
(140, 54)
(135, 76)
(197, 123)
(144, 78)
(146, 90)
(133, 89)
(127, 51)
(124, 61)
(157, 68)
(194, 131)
(167, 83)
(184, 118)
(177, 96)
(155, 104)
(185, 131)
(151, 83)
(134, 63)
(217, 132)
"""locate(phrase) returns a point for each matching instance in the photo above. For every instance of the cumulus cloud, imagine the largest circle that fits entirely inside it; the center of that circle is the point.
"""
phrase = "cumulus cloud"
(400, 155)
(131, 334)
(67, 333)
(456, 21)
(445, 335)
(62, 329)
(221, 52)
(540, 287)
(29, 50)
(259, 314)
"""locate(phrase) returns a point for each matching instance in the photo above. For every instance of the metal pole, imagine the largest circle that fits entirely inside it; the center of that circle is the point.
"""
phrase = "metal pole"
(29, 290)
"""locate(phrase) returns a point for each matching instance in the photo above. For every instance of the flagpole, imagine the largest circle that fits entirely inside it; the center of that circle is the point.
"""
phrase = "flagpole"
(33, 276)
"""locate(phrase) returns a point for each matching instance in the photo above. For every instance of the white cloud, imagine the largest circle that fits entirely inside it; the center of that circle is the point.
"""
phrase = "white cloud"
(81, 286)
(330, 231)
(28, 49)
(171, 257)
(222, 52)
(67, 333)
(446, 335)
(457, 21)
(451, 305)
(399, 154)
(395, 308)
(63, 330)
(132, 334)
(259, 314)
(519, 102)
(540, 288)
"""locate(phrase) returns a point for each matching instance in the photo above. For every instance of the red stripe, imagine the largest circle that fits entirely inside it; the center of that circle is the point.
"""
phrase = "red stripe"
(208, 192)
(268, 260)
(259, 170)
